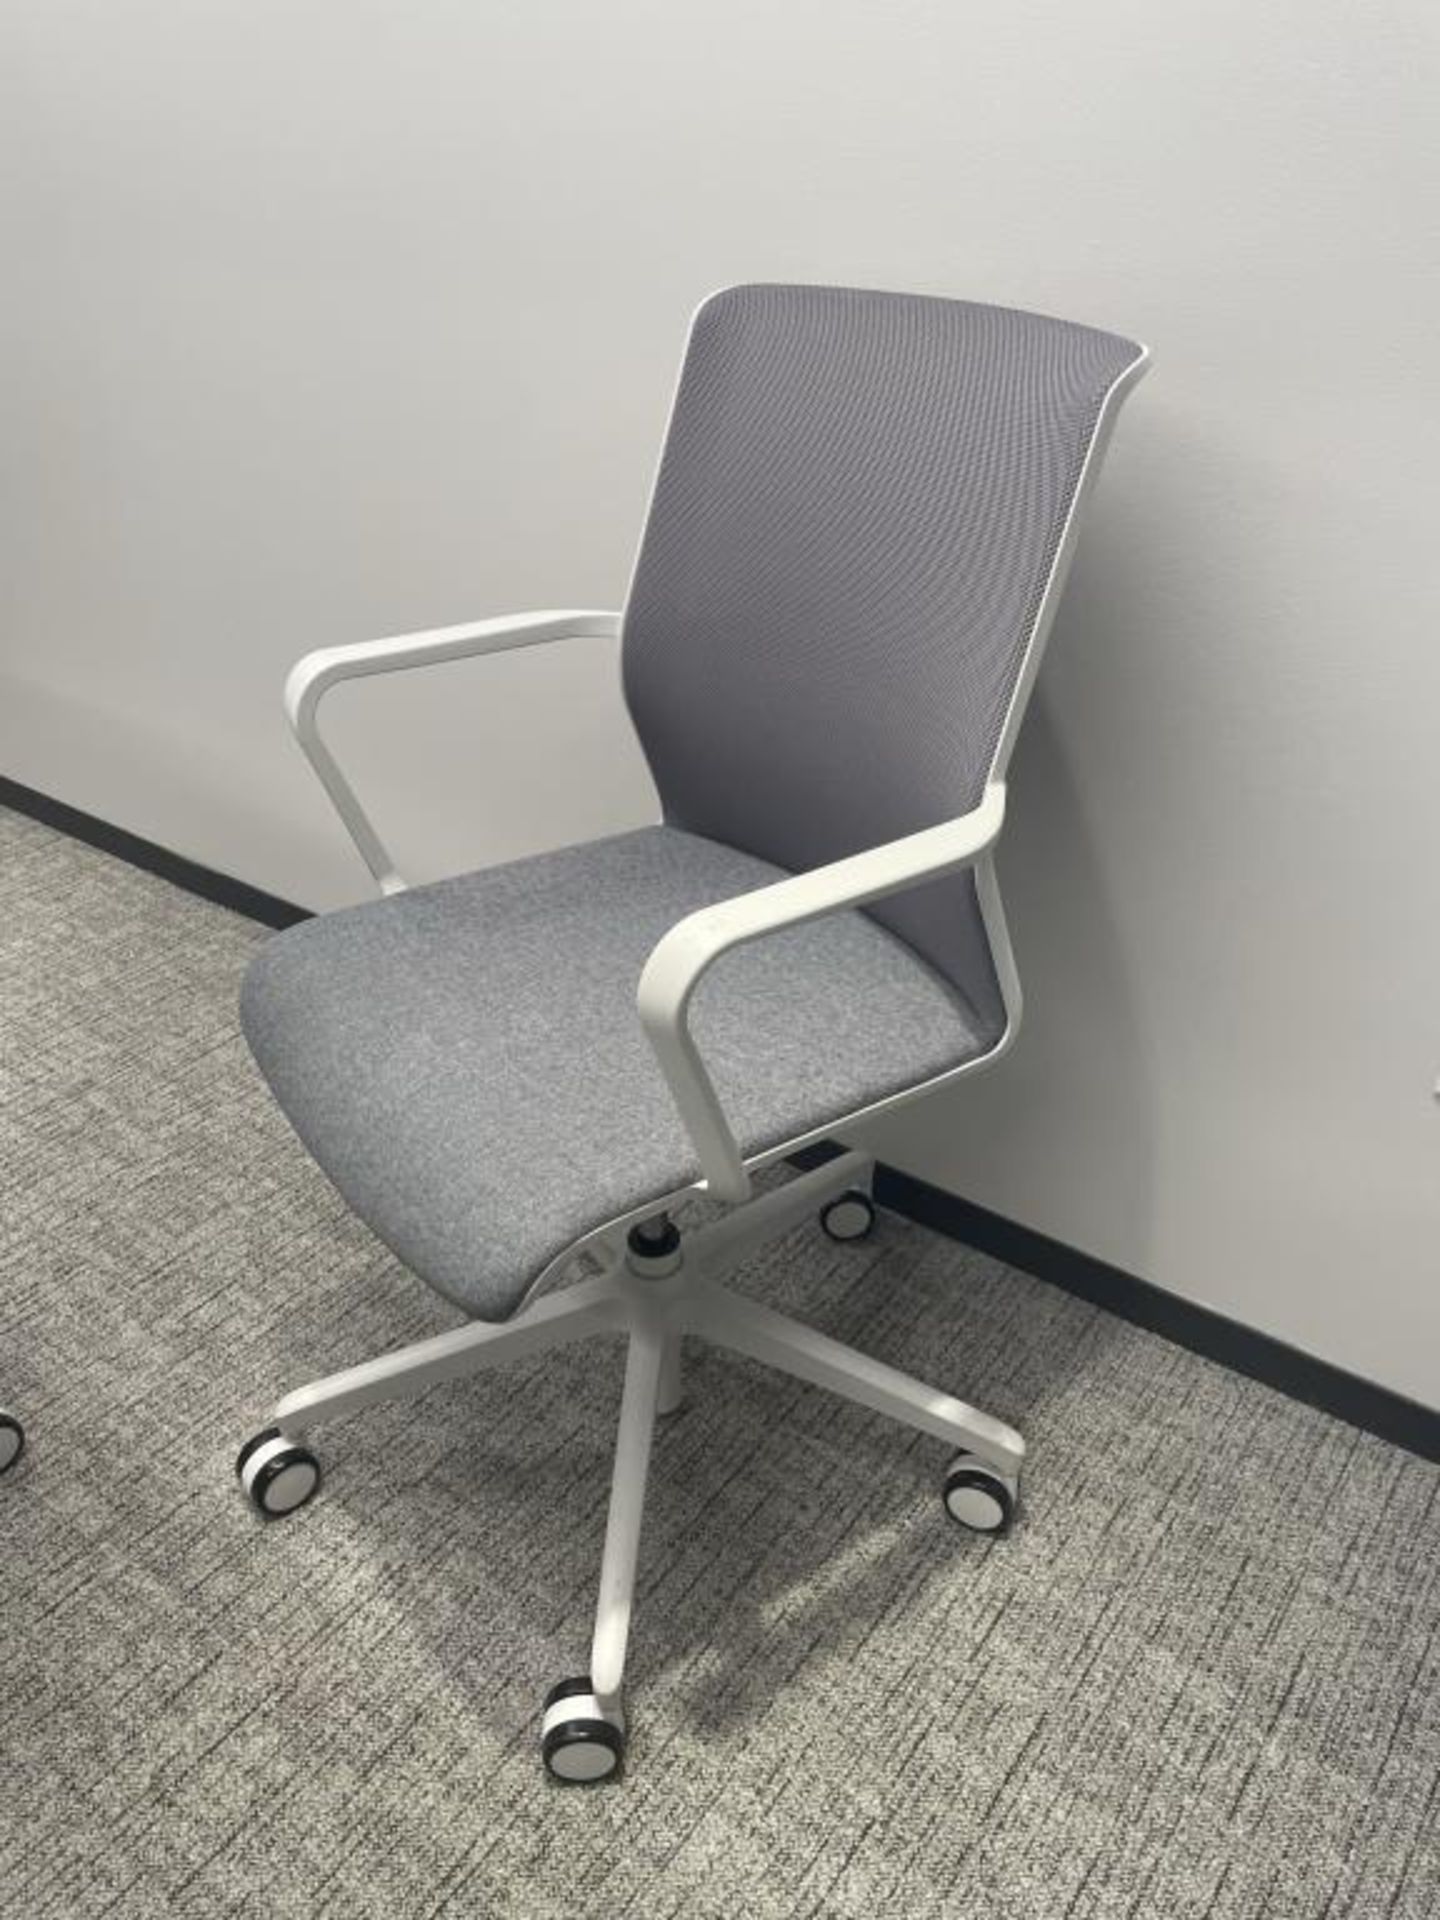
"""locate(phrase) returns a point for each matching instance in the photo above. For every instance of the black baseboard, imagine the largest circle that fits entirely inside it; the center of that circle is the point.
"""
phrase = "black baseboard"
(1259, 1356)
(237, 895)
(1198, 1329)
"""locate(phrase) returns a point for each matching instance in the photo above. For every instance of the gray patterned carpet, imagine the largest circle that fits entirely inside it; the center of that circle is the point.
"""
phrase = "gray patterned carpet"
(1199, 1680)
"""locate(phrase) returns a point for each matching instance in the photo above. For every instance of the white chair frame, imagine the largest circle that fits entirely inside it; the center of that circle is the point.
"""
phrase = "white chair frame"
(656, 1301)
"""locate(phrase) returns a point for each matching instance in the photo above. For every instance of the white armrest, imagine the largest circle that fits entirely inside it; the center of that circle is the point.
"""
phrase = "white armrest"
(310, 678)
(682, 956)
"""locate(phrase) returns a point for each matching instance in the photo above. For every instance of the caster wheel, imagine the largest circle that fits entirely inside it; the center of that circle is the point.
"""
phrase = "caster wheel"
(848, 1217)
(979, 1497)
(12, 1440)
(278, 1476)
(581, 1742)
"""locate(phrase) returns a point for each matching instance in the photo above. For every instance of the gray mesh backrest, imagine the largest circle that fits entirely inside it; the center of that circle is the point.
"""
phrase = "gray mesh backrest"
(856, 511)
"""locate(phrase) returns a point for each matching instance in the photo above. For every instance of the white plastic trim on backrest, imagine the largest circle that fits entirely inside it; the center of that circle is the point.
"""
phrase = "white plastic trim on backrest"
(1060, 566)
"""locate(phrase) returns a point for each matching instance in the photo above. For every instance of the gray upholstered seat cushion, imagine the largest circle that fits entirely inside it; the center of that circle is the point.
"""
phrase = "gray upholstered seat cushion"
(466, 1062)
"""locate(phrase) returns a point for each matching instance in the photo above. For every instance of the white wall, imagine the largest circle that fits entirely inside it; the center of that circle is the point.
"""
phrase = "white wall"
(333, 318)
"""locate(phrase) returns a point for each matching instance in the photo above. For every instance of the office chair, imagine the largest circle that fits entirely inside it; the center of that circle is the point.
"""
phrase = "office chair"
(861, 523)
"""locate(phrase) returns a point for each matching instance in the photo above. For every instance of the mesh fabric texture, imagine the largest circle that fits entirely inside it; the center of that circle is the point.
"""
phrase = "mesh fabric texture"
(854, 520)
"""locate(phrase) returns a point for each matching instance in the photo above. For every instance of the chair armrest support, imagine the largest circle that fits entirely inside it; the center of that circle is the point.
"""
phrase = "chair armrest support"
(311, 677)
(683, 955)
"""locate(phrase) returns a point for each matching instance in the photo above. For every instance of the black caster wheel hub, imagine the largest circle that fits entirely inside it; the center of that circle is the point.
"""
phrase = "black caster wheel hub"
(278, 1475)
(977, 1497)
(582, 1742)
(849, 1216)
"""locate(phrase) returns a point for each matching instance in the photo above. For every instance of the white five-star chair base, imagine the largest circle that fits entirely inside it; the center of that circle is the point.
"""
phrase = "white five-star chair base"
(657, 1285)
